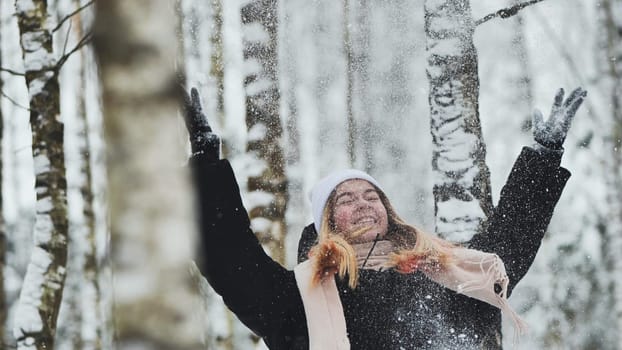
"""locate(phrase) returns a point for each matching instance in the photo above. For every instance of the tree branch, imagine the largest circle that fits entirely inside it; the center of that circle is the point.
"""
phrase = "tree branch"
(506, 12)
(66, 18)
(11, 71)
(84, 41)
(13, 101)
(67, 38)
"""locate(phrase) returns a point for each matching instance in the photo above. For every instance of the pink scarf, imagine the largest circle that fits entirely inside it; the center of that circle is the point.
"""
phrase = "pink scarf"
(472, 273)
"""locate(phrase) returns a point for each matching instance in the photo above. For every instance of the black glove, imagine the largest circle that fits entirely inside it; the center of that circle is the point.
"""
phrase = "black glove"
(552, 133)
(202, 139)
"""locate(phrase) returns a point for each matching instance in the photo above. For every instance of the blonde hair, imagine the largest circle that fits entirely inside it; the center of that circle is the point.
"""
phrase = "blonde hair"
(415, 249)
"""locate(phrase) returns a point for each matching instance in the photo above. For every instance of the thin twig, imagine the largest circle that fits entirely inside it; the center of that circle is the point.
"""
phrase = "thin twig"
(13, 101)
(67, 37)
(60, 24)
(506, 12)
(84, 41)
(11, 71)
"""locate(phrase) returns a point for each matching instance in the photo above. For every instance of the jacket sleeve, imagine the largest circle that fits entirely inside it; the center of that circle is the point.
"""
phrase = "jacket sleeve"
(519, 221)
(261, 293)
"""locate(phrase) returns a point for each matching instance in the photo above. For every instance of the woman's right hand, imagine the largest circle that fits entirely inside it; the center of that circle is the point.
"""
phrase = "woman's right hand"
(202, 139)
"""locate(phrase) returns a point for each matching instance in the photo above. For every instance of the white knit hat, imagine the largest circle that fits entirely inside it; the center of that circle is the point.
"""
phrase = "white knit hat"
(321, 191)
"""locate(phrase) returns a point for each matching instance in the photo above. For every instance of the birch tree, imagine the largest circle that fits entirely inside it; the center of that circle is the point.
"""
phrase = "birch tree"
(357, 33)
(267, 185)
(612, 14)
(462, 195)
(41, 293)
(3, 301)
(219, 82)
(150, 205)
(80, 320)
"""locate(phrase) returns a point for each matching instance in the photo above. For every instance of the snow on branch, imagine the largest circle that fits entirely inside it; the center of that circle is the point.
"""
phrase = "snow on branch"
(506, 12)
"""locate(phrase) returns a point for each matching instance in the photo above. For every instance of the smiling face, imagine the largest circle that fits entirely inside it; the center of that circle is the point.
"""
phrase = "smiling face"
(357, 205)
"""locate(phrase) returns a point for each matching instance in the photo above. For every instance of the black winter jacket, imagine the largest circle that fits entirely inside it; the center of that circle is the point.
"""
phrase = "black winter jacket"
(387, 310)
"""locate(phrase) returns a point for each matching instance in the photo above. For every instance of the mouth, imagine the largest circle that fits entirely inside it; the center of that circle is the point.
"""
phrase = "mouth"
(365, 221)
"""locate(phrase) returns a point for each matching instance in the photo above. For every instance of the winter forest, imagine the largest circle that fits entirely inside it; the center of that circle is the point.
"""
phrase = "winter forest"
(98, 230)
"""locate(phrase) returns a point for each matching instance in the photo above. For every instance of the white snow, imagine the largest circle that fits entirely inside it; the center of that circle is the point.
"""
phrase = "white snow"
(44, 205)
(460, 219)
(27, 319)
(41, 163)
(36, 57)
(257, 132)
(447, 47)
(259, 199)
(24, 6)
(260, 224)
(258, 86)
(43, 227)
(255, 32)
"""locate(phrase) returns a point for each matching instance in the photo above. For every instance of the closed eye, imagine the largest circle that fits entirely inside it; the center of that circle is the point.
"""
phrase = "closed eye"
(345, 199)
(371, 195)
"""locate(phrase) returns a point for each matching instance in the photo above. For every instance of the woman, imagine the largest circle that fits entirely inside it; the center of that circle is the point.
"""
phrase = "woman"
(397, 287)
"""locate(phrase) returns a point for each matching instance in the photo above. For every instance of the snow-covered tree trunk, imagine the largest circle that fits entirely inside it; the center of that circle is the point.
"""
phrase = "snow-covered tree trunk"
(360, 64)
(612, 10)
(80, 319)
(206, 44)
(90, 295)
(298, 68)
(42, 289)
(3, 302)
(356, 42)
(267, 185)
(152, 219)
(349, 53)
(97, 296)
(462, 180)
(524, 81)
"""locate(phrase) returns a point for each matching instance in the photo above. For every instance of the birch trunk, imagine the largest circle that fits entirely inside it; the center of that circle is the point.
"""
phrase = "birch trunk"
(92, 332)
(152, 223)
(349, 53)
(612, 10)
(298, 67)
(357, 34)
(41, 292)
(97, 296)
(205, 47)
(462, 180)
(81, 316)
(3, 302)
(90, 298)
(267, 185)
(525, 84)
(364, 107)
(74, 311)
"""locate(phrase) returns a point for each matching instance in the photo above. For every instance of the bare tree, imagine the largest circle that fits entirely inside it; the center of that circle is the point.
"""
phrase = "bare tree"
(41, 293)
(269, 184)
